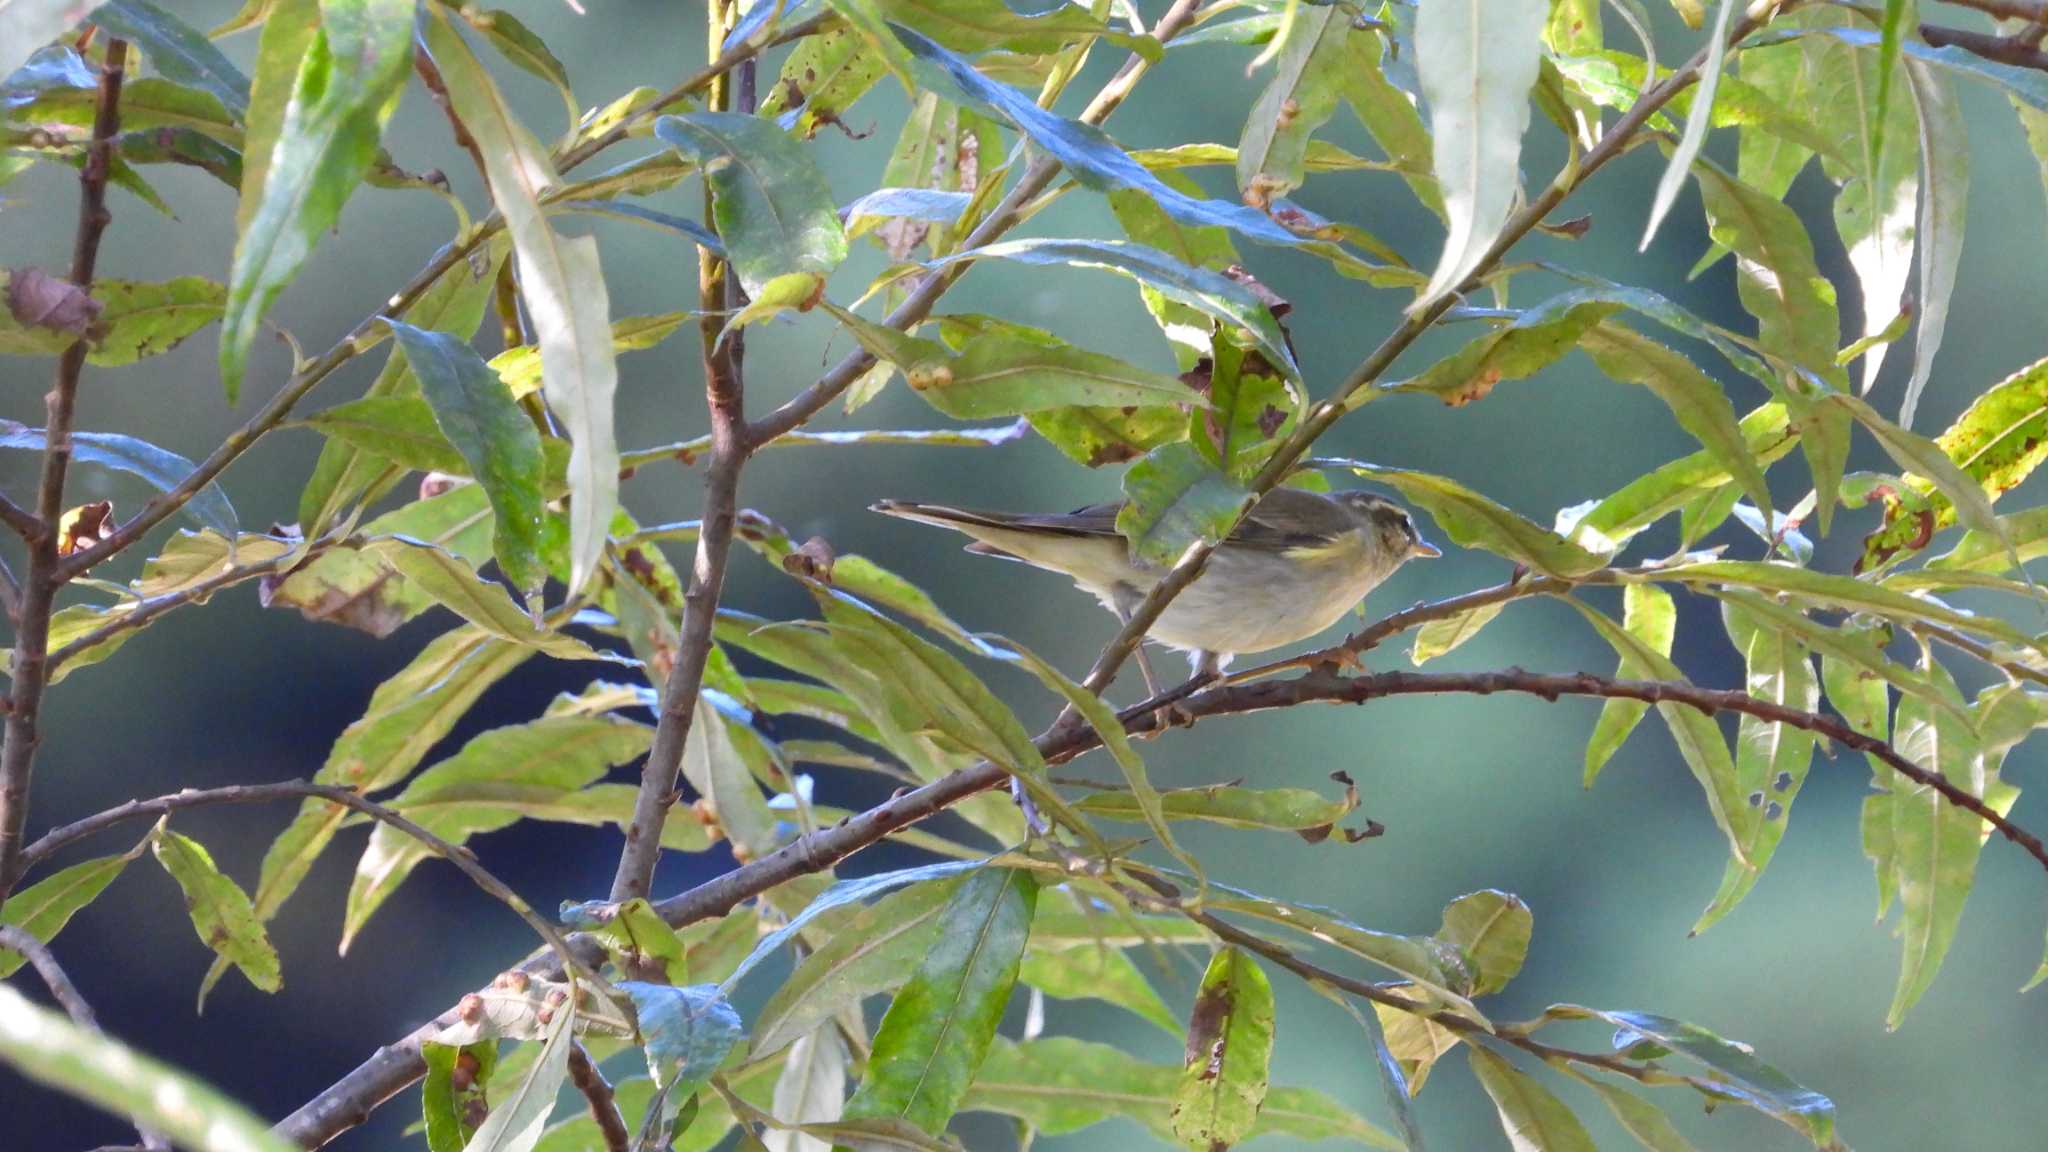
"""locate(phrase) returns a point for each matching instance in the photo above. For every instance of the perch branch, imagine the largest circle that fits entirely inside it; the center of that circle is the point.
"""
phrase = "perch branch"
(31, 668)
(23, 521)
(719, 297)
(597, 1092)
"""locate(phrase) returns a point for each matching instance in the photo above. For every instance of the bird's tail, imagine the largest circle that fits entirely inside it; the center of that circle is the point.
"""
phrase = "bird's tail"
(958, 519)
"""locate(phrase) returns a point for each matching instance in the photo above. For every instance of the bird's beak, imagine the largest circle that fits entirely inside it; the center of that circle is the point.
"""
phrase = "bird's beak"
(1425, 550)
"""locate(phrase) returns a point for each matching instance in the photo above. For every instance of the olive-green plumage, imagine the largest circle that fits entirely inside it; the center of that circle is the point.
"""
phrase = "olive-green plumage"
(1295, 564)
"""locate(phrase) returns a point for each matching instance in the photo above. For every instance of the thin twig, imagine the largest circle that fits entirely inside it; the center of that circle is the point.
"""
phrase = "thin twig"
(67, 996)
(719, 296)
(144, 611)
(2013, 50)
(597, 1092)
(31, 669)
(23, 521)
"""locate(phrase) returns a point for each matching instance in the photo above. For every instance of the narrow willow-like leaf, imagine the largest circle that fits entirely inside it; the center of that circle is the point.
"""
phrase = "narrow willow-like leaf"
(177, 50)
(1675, 487)
(564, 290)
(163, 470)
(1771, 759)
(811, 1089)
(1473, 521)
(1777, 277)
(1297, 101)
(1934, 844)
(1738, 1070)
(220, 910)
(1414, 1041)
(773, 209)
(1388, 113)
(346, 88)
(1642, 1119)
(1059, 1085)
(1174, 498)
(1697, 736)
(1229, 1052)
(1534, 1119)
(83, 1062)
(516, 1122)
(874, 951)
(534, 761)
(1205, 291)
(1997, 442)
(1477, 64)
(43, 908)
(1287, 809)
(1098, 973)
(1944, 195)
(457, 587)
(1492, 929)
(821, 78)
(686, 1032)
(449, 1112)
(1439, 637)
(1696, 123)
(999, 375)
(1086, 151)
(527, 51)
(1700, 405)
(1918, 456)
(1535, 339)
(939, 1027)
(713, 765)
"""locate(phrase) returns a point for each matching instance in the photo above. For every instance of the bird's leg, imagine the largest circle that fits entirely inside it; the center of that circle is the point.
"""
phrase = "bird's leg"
(1032, 820)
(1127, 600)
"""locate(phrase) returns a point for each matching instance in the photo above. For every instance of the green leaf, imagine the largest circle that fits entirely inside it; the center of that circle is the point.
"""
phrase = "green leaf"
(47, 1047)
(1934, 845)
(1473, 521)
(447, 1106)
(1996, 443)
(638, 939)
(1843, 592)
(939, 1026)
(1420, 959)
(1693, 397)
(686, 1032)
(1229, 1050)
(1785, 76)
(356, 589)
(178, 50)
(1284, 809)
(979, 25)
(346, 88)
(1475, 78)
(1492, 929)
(1535, 339)
(1414, 1041)
(1771, 759)
(1060, 1085)
(1610, 523)
(1738, 1072)
(1086, 152)
(527, 51)
(477, 790)
(564, 290)
(1534, 1119)
(43, 908)
(516, 1123)
(455, 303)
(478, 415)
(163, 470)
(1697, 736)
(1209, 293)
(714, 767)
(1389, 114)
(1099, 973)
(137, 319)
(1251, 409)
(1439, 637)
(457, 587)
(520, 367)
(398, 429)
(221, 912)
(1299, 99)
(1776, 276)
(839, 895)
(874, 951)
(771, 204)
(1001, 375)
(1696, 123)
(148, 103)
(1642, 1119)
(812, 1086)
(1186, 327)
(1174, 498)
(822, 77)
(1944, 196)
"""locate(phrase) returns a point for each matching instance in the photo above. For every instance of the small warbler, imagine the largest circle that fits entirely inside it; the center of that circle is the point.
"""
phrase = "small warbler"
(1295, 564)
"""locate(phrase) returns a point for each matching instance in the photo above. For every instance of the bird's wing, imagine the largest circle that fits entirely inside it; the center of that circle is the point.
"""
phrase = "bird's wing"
(1288, 518)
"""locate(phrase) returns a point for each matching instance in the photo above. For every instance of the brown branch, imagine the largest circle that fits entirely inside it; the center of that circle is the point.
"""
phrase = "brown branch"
(1190, 565)
(24, 522)
(145, 611)
(813, 399)
(31, 669)
(2013, 50)
(67, 996)
(371, 331)
(719, 298)
(597, 1092)
(2028, 10)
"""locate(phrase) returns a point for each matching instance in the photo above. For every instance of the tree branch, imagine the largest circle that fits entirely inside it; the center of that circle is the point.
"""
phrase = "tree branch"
(2028, 10)
(23, 521)
(31, 669)
(371, 331)
(597, 1092)
(1326, 414)
(719, 298)
(144, 611)
(2013, 50)
(67, 996)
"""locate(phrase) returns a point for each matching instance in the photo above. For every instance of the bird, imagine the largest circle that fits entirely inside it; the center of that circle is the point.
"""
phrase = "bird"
(1295, 563)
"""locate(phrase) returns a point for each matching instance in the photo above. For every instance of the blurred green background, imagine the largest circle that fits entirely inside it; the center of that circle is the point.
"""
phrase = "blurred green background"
(1473, 792)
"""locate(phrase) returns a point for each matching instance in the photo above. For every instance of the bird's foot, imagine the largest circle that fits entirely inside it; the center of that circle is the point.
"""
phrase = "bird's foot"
(1032, 820)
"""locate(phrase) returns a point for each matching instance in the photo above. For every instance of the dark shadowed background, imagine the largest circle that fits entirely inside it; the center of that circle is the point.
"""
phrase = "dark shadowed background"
(1473, 792)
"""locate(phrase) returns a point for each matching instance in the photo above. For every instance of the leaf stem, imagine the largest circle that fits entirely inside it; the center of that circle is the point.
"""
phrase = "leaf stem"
(31, 668)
